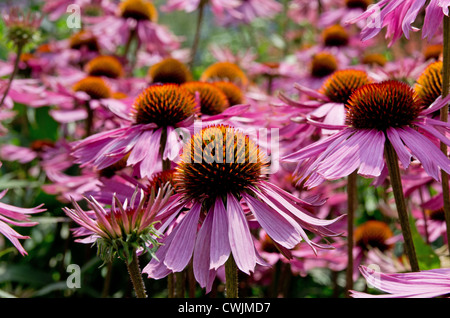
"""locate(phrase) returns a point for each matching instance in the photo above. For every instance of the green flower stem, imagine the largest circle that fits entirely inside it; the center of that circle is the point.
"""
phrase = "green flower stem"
(352, 202)
(231, 277)
(166, 164)
(14, 72)
(136, 278)
(89, 119)
(396, 182)
(198, 28)
(444, 118)
(179, 284)
(170, 285)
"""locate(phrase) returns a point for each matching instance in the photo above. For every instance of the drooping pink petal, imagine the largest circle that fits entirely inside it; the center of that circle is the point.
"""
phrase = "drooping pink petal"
(151, 161)
(424, 284)
(156, 268)
(203, 272)
(372, 162)
(241, 242)
(430, 156)
(280, 227)
(402, 153)
(13, 236)
(220, 245)
(346, 158)
(182, 245)
(433, 18)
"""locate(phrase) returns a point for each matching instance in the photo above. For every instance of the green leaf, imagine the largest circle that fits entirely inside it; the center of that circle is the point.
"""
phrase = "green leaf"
(426, 256)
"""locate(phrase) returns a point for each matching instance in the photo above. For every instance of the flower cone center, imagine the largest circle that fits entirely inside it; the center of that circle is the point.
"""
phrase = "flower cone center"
(383, 105)
(217, 161)
(164, 105)
(341, 84)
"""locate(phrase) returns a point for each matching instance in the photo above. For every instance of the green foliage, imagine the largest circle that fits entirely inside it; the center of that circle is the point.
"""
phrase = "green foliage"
(426, 256)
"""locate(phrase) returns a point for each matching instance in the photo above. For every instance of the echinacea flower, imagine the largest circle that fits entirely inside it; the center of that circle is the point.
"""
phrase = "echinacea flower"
(220, 180)
(424, 284)
(155, 114)
(399, 15)
(136, 20)
(377, 113)
(16, 216)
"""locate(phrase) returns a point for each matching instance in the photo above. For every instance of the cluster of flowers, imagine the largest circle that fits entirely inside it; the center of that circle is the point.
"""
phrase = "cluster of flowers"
(165, 160)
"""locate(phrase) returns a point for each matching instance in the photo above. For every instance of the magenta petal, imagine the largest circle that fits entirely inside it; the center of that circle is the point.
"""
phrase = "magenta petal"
(311, 92)
(156, 268)
(318, 148)
(140, 150)
(232, 111)
(294, 209)
(429, 155)
(433, 18)
(182, 246)
(372, 161)
(346, 158)
(151, 161)
(13, 236)
(241, 242)
(220, 245)
(201, 261)
(411, 16)
(430, 283)
(433, 131)
(403, 154)
(280, 227)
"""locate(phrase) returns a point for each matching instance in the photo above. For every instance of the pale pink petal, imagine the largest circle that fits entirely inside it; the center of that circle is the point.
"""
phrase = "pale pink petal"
(430, 156)
(220, 245)
(241, 242)
(402, 153)
(280, 227)
(181, 248)
(203, 272)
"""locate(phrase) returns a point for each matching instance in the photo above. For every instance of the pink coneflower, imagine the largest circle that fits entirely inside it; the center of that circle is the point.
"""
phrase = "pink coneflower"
(136, 20)
(399, 15)
(424, 284)
(382, 118)
(222, 191)
(377, 113)
(13, 215)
